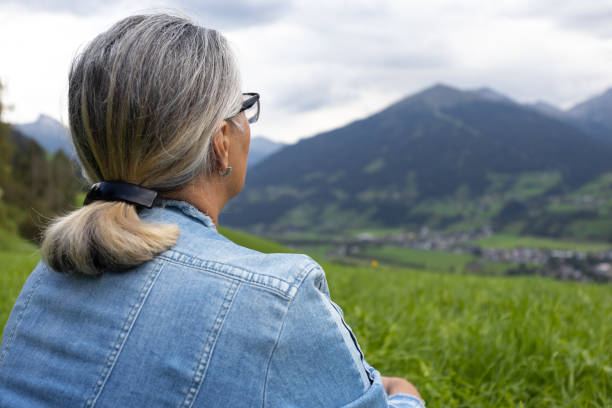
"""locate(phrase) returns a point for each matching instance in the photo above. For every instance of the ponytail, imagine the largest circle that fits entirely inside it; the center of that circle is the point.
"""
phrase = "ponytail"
(104, 236)
(144, 101)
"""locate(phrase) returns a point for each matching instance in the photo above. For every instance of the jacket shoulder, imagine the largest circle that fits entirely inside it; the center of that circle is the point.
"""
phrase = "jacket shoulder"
(280, 272)
(202, 248)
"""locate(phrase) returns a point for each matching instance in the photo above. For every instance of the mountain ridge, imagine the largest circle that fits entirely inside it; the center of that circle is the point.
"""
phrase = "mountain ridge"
(438, 145)
(49, 133)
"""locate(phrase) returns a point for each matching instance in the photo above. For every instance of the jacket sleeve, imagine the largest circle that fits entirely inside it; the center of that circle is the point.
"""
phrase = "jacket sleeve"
(317, 361)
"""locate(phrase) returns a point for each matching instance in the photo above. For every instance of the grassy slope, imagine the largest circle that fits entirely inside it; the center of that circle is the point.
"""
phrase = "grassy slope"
(465, 341)
(17, 259)
(431, 260)
(253, 242)
(482, 342)
(510, 241)
(469, 341)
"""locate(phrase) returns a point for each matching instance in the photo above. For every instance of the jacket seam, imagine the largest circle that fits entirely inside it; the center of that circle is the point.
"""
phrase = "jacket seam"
(301, 278)
(233, 277)
(203, 264)
(209, 347)
(280, 292)
(124, 333)
(354, 338)
(19, 318)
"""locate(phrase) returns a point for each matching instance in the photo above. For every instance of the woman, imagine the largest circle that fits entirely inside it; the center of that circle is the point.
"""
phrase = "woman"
(139, 302)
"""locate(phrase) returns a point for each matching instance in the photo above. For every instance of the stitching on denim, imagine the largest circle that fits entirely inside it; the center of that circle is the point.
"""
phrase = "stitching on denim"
(209, 266)
(188, 209)
(354, 338)
(209, 346)
(300, 278)
(411, 400)
(335, 309)
(19, 318)
(201, 263)
(236, 278)
(263, 402)
(125, 331)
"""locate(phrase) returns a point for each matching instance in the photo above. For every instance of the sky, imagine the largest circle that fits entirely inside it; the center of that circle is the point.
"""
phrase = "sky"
(320, 64)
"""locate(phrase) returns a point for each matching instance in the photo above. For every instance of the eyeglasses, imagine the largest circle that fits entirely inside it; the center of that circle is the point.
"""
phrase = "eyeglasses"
(250, 106)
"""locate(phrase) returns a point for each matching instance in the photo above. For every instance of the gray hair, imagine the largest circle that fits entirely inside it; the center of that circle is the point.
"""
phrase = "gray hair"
(144, 100)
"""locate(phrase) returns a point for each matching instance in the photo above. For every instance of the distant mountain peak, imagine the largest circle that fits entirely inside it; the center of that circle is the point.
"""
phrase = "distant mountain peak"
(492, 95)
(47, 120)
(597, 110)
(547, 109)
(437, 93)
(49, 133)
(441, 95)
(440, 145)
(261, 148)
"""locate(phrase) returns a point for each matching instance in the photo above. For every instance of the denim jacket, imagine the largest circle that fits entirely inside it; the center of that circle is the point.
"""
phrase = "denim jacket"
(207, 323)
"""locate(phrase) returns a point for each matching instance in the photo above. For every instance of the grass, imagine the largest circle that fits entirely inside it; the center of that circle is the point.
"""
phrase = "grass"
(318, 252)
(591, 228)
(17, 259)
(250, 241)
(432, 260)
(464, 341)
(16, 266)
(469, 341)
(437, 261)
(10, 243)
(511, 241)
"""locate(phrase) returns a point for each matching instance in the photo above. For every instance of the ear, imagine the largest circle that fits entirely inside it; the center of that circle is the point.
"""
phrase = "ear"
(220, 145)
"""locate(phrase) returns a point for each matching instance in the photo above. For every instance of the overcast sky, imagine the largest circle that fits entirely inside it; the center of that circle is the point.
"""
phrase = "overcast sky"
(322, 64)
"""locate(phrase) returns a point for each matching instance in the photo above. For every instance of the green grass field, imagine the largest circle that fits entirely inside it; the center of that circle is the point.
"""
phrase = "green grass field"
(464, 341)
(17, 258)
(430, 260)
(436, 261)
(250, 241)
(511, 241)
(468, 341)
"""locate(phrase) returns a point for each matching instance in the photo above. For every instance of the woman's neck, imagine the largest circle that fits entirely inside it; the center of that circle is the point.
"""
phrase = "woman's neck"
(208, 196)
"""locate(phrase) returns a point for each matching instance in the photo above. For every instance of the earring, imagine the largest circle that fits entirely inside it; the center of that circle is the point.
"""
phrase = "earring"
(228, 171)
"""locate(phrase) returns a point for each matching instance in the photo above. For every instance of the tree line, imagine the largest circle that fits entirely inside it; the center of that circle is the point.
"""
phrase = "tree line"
(34, 185)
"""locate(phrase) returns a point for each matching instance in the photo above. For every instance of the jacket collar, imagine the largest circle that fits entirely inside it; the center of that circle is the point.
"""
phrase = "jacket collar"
(187, 209)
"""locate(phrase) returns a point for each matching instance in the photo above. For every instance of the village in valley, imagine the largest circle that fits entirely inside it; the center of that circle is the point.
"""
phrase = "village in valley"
(561, 264)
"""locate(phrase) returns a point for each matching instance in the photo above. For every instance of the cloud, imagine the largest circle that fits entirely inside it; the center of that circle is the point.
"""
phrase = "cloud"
(589, 16)
(320, 64)
(81, 7)
(596, 22)
(227, 15)
(219, 14)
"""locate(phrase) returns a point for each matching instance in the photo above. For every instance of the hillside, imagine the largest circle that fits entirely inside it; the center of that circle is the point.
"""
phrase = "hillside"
(462, 340)
(594, 115)
(50, 134)
(261, 148)
(443, 157)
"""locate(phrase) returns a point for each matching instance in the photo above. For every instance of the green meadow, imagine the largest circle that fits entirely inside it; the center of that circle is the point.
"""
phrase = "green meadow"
(438, 261)
(17, 259)
(463, 340)
(501, 241)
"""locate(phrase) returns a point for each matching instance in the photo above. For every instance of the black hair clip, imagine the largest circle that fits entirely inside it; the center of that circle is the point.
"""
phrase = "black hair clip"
(121, 191)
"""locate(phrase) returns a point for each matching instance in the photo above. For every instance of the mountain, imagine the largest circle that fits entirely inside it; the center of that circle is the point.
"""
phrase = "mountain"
(261, 148)
(49, 133)
(597, 109)
(492, 95)
(549, 110)
(595, 115)
(443, 157)
(592, 116)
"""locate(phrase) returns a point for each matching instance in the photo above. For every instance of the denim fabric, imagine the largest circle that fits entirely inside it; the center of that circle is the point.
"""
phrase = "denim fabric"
(205, 324)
